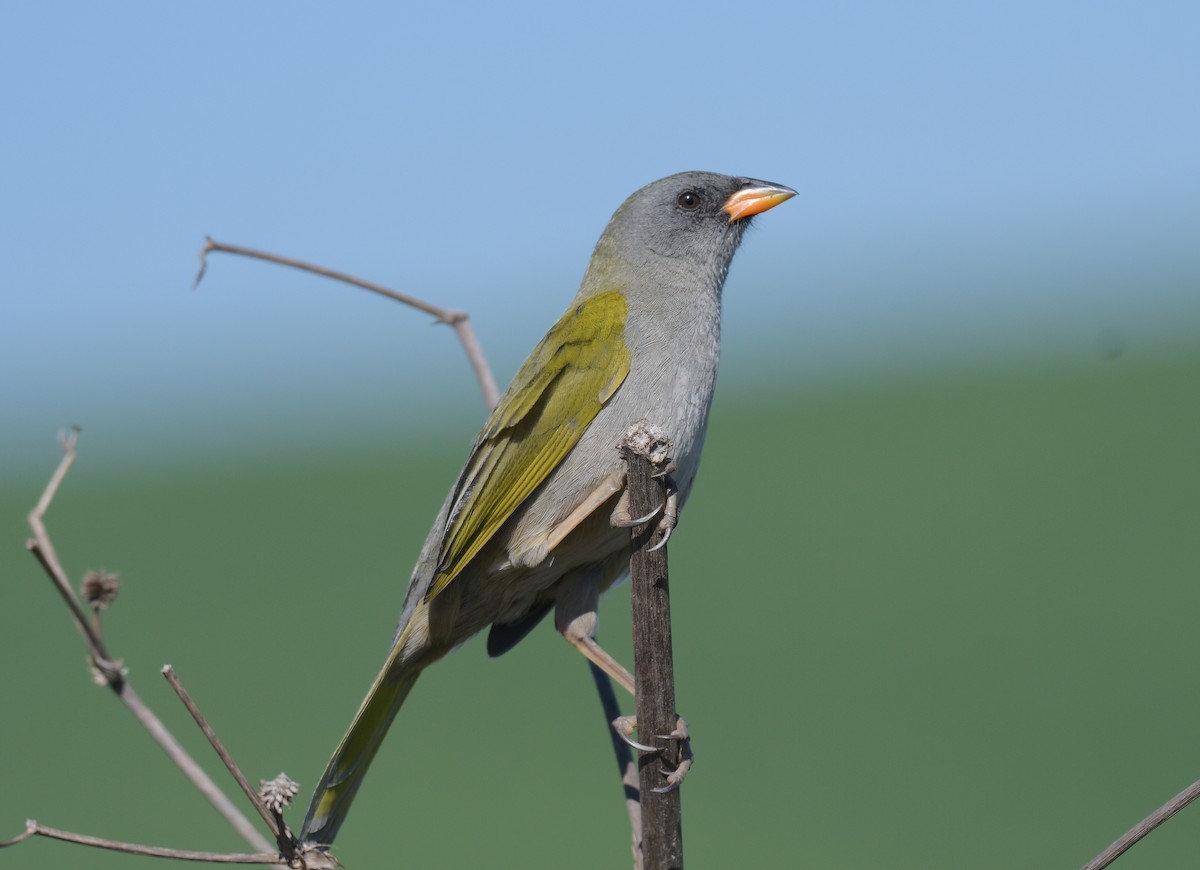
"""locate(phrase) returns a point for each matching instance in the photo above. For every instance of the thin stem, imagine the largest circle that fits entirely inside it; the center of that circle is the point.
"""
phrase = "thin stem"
(457, 319)
(192, 770)
(662, 829)
(43, 550)
(1144, 827)
(281, 835)
(33, 828)
(474, 351)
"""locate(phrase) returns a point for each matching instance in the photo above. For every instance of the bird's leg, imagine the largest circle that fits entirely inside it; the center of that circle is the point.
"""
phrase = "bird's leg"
(576, 618)
(597, 655)
(575, 615)
(608, 487)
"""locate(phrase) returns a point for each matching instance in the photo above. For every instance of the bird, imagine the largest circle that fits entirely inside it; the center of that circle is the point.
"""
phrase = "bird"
(536, 521)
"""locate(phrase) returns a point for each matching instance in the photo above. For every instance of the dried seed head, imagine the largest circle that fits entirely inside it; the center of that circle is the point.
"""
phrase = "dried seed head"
(99, 588)
(277, 793)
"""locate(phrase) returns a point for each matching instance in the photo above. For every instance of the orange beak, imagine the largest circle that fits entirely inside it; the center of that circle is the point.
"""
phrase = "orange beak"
(755, 198)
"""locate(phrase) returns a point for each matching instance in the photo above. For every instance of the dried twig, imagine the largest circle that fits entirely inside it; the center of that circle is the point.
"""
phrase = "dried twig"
(36, 829)
(43, 550)
(457, 319)
(110, 670)
(282, 836)
(654, 675)
(1144, 827)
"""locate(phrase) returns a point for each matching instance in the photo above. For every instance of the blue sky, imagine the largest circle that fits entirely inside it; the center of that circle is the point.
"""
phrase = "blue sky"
(1013, 180)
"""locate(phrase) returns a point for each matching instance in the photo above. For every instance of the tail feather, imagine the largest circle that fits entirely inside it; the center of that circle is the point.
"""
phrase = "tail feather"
(346, 770)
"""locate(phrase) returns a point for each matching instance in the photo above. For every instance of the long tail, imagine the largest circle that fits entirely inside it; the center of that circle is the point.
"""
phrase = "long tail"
(345, 772)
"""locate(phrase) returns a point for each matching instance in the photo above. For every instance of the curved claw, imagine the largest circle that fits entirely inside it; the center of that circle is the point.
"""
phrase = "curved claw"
(624, 726)
(675, 777)
(670, 468)
(670, 515)
(662, 543)
(680, 732)
(629, 524)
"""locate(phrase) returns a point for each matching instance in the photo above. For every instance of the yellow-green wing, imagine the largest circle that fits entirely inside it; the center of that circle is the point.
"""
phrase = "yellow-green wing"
(555, 396)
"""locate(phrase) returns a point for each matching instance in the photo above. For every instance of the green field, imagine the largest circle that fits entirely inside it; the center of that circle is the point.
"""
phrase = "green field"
(921, 626)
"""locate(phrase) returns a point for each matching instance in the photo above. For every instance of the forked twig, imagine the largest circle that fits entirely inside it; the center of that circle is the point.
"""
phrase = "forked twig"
(457, 319)
(113, 674)
(282, 836)
(1144, 827)
(36, 829)
(111, 671)
(43, 550)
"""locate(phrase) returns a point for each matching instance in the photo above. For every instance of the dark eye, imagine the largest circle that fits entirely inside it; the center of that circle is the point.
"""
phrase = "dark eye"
(689, 199)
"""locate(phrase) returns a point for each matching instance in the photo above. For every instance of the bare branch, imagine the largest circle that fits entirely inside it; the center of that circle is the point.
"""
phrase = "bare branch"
(1144, 827)
(456, 319)
(110, 670)
(30, 830)
(282, 835)
(662, 831)
(43, 549)
(33, 828)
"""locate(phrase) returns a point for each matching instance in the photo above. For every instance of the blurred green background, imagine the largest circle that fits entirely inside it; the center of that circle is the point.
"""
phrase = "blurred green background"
(936, 623)
(935, 595)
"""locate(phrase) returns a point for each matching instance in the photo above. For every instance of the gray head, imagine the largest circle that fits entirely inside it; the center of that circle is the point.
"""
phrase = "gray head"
(689, 223)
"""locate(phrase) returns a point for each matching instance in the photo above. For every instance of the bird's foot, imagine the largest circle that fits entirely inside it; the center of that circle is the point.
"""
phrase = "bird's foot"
(622, 520)
(675, 777)
(626, 725)
(670, 516)
(669, 511)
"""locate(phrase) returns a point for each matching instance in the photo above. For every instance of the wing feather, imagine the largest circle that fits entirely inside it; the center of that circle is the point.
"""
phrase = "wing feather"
(559, 390)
